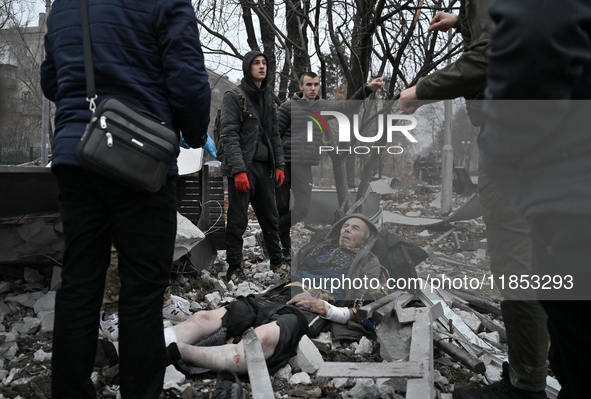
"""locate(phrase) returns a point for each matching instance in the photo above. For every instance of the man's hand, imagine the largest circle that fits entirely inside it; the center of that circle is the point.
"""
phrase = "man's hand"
(303, 296)
(409, 102)
(311, 305)
(279, 176)
(443, 22)
(376, 84)
(241, 181)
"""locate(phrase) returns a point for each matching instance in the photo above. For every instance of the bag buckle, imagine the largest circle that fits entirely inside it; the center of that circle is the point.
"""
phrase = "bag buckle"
(92, 105)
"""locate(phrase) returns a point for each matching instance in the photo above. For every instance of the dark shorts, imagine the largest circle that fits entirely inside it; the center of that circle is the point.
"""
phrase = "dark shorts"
(254, 311)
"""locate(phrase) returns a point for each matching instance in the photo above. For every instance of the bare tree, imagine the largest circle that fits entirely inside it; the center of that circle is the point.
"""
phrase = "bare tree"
(366, 38)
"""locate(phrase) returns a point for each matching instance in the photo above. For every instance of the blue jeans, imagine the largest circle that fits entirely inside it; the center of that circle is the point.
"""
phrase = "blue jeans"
(97, 212)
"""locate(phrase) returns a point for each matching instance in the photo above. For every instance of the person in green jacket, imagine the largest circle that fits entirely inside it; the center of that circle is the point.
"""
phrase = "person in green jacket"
(508, 236)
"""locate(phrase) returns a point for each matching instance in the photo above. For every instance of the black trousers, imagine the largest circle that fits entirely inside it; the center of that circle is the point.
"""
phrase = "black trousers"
(298, 179)
(97, 212)
(261, 195)
(560, 248)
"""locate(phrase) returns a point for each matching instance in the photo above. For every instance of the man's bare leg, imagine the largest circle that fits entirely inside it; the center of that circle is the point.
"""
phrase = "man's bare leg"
(229, 356)
(199, 325)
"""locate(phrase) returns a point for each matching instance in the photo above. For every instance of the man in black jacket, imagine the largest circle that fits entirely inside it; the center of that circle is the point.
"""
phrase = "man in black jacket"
(301, 155)
(539, 154)
(508, 236)
(253, 162)
(148, 55)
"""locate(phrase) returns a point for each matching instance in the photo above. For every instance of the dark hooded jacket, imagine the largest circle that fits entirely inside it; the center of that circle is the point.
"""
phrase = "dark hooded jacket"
(259, 123)
(137, 58)
(296, 148)
(365, 263)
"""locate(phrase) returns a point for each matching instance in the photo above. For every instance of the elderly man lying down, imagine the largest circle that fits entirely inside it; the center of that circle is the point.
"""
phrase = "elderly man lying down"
(329, 276)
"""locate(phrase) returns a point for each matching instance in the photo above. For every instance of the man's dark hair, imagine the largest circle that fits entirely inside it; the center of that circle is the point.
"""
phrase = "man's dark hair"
(310, 74)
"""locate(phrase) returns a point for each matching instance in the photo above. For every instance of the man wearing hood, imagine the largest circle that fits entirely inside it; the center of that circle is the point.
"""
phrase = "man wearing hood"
(253, 162)
(282, 315)
(301, 155)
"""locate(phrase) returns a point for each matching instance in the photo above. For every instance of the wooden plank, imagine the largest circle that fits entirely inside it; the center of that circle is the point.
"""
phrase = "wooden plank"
(366, 311)
(370, 370)
(421, 351)
(383, 312)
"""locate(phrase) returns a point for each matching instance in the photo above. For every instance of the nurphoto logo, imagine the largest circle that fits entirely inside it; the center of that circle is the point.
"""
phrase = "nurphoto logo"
(391, 128)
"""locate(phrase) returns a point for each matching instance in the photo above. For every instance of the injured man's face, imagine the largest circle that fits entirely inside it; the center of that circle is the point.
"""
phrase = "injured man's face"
(353, 233)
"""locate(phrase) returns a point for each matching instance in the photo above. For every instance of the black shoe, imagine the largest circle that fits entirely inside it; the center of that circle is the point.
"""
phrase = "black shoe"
(228, 386)
(287, 256)
(499, 390)
(235, 274)
(261, 242)
(106, 354)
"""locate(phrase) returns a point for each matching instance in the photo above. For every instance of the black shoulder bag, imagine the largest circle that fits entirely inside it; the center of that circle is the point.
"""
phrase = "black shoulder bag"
(129, 146)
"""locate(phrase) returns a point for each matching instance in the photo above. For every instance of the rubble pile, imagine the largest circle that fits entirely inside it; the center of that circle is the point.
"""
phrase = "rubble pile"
(27, 303)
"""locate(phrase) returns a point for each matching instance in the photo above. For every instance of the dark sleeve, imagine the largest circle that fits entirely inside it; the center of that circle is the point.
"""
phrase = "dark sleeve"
(276, 142)
(284, 118)
(530, 59)
(230, 133)
(48, 75)
(186, 79)
(466, 75)
(538, 58)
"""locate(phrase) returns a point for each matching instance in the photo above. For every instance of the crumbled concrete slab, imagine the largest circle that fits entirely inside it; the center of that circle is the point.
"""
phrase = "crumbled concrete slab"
(284, 372)
(308, 357)
(29, 325)
(394, 339)
(365, 347)
(364, 388)
(45, 303)
(47, 322)
(213, 300)
(340, 382)
(173, 378)
(300, 378)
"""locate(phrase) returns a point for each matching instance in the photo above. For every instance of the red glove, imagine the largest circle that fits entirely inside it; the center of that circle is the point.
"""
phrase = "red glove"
(241, 181)
(279, 176)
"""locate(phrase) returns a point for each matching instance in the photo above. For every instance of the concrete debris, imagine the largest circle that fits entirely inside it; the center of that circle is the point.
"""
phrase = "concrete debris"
(438, 378)
(341, 382)
(249, 242)
(364, 388)
(173, 378)
(284, 372)
(470, 319)
(213, 300)
(300, 378)
(308, 358)
(394, 339)
(365, 347)
(30, 325)
(27, 309)
(388, 392)
(45, 303)
(40, 356)
(47, 322)
(491, 337)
